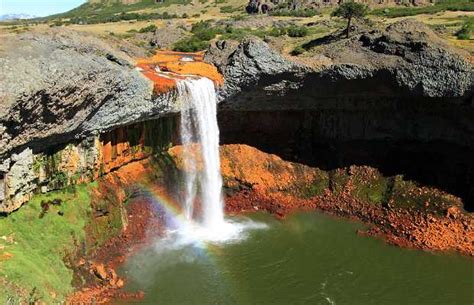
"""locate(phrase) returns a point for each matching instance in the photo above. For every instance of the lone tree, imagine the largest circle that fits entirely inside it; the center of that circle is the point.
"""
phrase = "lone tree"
(349, 10)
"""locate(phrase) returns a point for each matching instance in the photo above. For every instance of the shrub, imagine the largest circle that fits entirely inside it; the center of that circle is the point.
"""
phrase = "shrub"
(203, 30)
(229, 9)
(276, 32)
(297, 51)
(200, 26)
(192, 44)
(297, 31)
(148, 29)
(466, 31)
(463, 34)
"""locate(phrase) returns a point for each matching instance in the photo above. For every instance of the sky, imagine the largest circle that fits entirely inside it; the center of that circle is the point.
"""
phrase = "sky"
(39, 8)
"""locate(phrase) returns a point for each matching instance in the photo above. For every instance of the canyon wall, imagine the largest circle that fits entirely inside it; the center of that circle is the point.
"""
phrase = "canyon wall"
(398, 99)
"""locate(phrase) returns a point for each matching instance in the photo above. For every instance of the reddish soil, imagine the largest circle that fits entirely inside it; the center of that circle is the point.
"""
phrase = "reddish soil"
(401, 227)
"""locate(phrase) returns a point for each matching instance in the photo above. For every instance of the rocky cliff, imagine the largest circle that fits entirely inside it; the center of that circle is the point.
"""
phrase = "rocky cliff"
(398, 100)
(63, 87)
(397, 86)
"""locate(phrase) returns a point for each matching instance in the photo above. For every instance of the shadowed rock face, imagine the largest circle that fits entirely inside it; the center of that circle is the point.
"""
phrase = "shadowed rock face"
(405, 108)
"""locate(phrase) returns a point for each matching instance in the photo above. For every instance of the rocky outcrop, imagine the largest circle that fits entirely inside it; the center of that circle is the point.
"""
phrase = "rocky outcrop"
(246, 65)
(60, 86)
(383, 101)
(406, 59)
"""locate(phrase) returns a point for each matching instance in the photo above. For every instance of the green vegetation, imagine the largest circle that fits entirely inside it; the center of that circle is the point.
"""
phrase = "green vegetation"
(370, 186)
(409, 195)
(338, 179)
(466, 30)
(36, 269)
(94, 13)
(148, 29)
(297, 51)
(294, 13)
(350, 10)
(318, 186)
(297, 31)
(228, 9)
(277, 31)
(109, 8)
(440, 6)
(191, 44)
(203, 32)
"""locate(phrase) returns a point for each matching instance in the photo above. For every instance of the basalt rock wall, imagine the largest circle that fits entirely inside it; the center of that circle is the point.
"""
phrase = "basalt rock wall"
(398, 100)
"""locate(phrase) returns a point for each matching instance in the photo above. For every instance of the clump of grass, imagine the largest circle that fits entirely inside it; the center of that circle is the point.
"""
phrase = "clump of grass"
(297, 31)
(148, 29)
(277, 31)
(202, 32)
(191, 44)
(466, 30)
(297, 51)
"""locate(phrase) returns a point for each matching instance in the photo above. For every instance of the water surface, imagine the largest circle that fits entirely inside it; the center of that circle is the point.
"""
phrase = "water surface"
(309, 258)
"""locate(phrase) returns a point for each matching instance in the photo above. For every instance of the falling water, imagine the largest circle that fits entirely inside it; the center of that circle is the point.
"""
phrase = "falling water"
(200, 139)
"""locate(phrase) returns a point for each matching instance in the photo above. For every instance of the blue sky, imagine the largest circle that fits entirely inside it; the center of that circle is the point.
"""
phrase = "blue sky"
(37, 7)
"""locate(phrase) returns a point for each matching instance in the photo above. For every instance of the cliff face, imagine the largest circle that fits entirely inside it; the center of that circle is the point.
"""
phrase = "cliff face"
(397, 100)
(60, 88)
(64, 85)
(400, 88)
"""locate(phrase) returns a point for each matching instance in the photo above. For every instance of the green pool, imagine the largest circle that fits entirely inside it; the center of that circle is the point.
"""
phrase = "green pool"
(309, 258)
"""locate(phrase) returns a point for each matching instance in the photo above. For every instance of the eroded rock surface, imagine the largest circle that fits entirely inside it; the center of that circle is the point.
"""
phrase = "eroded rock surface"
(406, 59)
(62, 85)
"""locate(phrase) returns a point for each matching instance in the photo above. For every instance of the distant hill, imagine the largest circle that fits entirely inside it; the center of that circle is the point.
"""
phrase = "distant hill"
(8, 17)
(126, 2)
(102, 8)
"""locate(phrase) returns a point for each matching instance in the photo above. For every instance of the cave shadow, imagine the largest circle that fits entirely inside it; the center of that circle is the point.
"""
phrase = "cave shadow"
(441, 164)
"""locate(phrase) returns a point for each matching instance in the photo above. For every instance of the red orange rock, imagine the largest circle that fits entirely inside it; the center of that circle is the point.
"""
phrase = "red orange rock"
(166, 67)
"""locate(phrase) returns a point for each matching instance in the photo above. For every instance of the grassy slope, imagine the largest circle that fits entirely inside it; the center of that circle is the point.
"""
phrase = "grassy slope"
(110, 8)
(440, 6)
(38, 246)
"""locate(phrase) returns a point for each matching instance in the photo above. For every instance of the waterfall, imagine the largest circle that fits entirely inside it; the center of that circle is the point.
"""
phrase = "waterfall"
(200, 140)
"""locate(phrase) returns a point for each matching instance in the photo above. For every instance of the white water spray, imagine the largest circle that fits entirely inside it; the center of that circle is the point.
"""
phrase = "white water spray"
(200, 135)
(203, 180)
